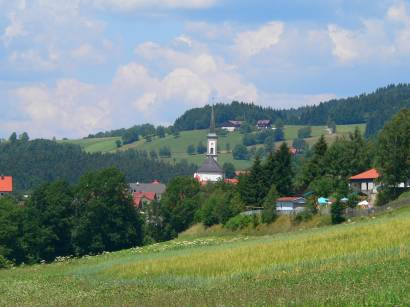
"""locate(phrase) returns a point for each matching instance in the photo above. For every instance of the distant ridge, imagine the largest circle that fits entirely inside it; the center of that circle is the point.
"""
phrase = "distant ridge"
(374, 109)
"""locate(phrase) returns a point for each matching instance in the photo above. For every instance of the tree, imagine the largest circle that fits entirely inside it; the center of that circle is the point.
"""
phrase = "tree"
(315, 166)
(283, 170)
(153, 154)
(336, 212)
(252, 187)
(165, 152)
(13, 137)
(299, 144)
(269, 144)
(322, 186)
(246, 128)
(148, 138)
(106, 219)
(11, 221)
(190, 149)
(24, 137)
(160, 132)
(49, 221)
(118, 143)
(228, 147)
(269, 213)
(201, 148)
(240, 152)
(305, 132)
(332, 126)
(393, 150)
(249, 139)
(279, 135)
(229, 170)
(179, 204)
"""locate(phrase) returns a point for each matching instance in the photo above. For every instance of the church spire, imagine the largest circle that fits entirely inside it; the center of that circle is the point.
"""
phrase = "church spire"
(212, 126)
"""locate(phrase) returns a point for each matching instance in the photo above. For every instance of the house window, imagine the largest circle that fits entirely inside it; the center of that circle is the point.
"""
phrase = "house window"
(364, 186)
(370, 186)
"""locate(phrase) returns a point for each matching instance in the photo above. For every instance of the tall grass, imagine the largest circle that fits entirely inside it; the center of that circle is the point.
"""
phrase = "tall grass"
(364, 262)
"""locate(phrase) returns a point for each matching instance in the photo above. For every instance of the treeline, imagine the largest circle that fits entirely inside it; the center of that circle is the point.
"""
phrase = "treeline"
(373, 109)
(32, 163)
(93, 216)
(133, 134)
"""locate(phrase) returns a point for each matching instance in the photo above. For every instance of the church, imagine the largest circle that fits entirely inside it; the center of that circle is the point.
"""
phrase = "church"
(210, 171)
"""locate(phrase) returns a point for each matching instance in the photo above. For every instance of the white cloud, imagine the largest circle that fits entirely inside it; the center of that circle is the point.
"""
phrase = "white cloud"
(129, 5)
(70, 108)
(250, 43)
(13, 30)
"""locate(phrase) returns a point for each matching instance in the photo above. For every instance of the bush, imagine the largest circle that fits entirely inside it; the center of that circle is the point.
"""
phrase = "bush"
(239, 222)
(240, 152)
(5, 263)
(303, 216)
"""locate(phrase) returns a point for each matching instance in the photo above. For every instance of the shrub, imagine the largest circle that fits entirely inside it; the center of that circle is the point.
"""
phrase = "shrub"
(238, 222)
(5, 263)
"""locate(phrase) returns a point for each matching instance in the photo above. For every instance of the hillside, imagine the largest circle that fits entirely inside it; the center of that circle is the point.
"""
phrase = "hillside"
(33, 163)
(364, 262)
(373, 108)
(178, 146)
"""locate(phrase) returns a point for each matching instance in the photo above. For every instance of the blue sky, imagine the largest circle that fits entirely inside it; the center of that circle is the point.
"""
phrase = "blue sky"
(70, 68)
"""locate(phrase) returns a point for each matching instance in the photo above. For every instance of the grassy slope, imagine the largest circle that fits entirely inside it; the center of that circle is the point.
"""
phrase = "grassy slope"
(179, 145)
(366, 262)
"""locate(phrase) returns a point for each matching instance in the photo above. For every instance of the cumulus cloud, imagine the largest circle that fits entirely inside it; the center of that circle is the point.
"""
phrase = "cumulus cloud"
(70, 108)
(250, 43)
(13, 30)
(382, 39)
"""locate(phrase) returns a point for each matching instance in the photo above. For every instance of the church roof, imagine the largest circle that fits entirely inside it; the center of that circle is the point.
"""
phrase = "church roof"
(210, 166)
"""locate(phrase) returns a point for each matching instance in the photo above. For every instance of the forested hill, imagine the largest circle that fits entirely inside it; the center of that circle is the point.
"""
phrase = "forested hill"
(374, 109)
(32, 163)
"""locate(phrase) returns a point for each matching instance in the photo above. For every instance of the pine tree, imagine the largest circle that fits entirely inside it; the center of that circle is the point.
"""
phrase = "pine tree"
(336, 212)
(269, 213)
(283, 170)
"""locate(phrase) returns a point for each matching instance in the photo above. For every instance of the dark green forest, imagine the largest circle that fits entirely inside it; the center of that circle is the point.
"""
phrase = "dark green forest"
(374, 109)
(32, 163)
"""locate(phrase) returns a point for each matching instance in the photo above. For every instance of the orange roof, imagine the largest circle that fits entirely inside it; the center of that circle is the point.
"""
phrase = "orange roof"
(139, 196)
(6, 184)
(370, 174)
(232, 181)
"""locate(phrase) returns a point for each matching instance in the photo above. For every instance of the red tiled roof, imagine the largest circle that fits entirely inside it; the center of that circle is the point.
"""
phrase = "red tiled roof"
(232, 181)
(139, 196)
(6, 184)
(370, 174)
(289, 198)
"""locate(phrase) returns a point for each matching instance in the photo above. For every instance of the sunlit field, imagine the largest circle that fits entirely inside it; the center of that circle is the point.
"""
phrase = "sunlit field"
(362, 262)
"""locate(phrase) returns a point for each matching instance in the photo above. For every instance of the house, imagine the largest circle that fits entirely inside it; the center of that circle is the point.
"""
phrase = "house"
(292, 204)
(366, 182)
(232, 125)
(210, 171)
(264, 124)
(141, 198)
(6, 185)
(146, 192)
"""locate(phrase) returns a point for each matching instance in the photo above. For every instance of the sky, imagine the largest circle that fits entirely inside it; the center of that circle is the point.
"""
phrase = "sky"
(71, 68)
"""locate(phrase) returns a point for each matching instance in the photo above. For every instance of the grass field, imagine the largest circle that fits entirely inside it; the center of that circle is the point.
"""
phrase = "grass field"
(362, 263)
(179, 145)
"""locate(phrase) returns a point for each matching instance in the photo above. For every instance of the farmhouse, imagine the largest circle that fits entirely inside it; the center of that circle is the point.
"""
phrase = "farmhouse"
(232, 125)
(6, 185)
(288, 205)
(366, 182)
(146, 192)
(264, 124)
(210, 171)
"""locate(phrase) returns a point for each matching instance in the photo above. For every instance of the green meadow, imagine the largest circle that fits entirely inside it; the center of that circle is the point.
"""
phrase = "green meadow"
(178, 146)
(364, 262)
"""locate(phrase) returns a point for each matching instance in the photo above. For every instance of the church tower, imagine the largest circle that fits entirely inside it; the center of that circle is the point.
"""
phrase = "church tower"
(212, 139)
